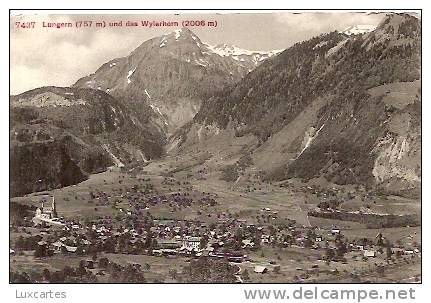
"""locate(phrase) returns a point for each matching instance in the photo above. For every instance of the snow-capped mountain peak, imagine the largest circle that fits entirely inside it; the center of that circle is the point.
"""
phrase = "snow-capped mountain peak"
(225, 50)
(179, 35)
(240, 54)
(222, 50)
(358, 29)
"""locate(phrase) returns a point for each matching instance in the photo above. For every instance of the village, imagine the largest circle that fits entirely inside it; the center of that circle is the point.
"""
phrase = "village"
(259, 251)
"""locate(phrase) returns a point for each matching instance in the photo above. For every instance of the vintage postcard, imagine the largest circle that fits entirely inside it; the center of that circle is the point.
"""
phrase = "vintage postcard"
(215, 147)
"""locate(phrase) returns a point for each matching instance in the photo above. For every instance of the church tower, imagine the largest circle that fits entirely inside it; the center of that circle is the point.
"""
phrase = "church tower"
(53, 208)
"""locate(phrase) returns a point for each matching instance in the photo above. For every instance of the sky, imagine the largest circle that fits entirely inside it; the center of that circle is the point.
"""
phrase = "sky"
(50, 56)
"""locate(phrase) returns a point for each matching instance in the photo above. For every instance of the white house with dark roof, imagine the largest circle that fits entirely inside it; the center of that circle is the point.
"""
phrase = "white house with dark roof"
(191, 242)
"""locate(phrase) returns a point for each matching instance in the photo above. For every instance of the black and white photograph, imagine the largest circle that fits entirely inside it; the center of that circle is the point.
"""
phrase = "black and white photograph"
(249, 147)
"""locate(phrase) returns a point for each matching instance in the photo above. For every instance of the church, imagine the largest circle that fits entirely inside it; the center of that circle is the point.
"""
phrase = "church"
(46, 212)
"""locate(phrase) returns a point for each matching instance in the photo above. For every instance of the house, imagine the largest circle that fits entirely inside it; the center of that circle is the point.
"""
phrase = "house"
(369, 253)
(247, 243)
(191, 242)
(335, 232)
(168, 244)
(265, 239)
(236, 256)
(57, 246)
(260, 269)
(71, 249)
(101, 272)
(90, 264)
(86, 242)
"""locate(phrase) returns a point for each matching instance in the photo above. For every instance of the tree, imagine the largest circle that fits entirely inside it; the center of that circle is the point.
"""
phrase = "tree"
(147, 266)
(388, 250)
(257, 239)
(329, 254)
(41, 251)
(80, 250)
(245, 275)
(204, 241)
(81, 271)
(148, 240)
(46, 274)
(380, 240)
(206, 270)
(68, 271)
(230, 173)
(356, 278)
(380, 270)
(16, 277)
(103, 263)
(173, 273)
(57, 277)
(308, 242)
(132, 274)
(20, 243)
(341, 249)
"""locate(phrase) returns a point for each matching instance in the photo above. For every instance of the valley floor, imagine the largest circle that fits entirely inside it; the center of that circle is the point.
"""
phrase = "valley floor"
(293, 245)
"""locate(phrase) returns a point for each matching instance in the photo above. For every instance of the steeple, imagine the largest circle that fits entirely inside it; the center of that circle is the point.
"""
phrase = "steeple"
(53, 208)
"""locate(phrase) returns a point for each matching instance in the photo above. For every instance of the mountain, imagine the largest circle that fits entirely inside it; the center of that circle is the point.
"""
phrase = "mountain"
(60, 135)
(173, 74)
(343, 107)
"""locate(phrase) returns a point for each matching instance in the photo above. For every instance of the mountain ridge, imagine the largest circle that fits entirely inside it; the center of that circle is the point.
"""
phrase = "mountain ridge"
(346, 133)
(60, 135)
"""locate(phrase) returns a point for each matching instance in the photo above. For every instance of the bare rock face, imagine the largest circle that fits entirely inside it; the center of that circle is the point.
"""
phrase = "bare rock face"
(343, 106)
